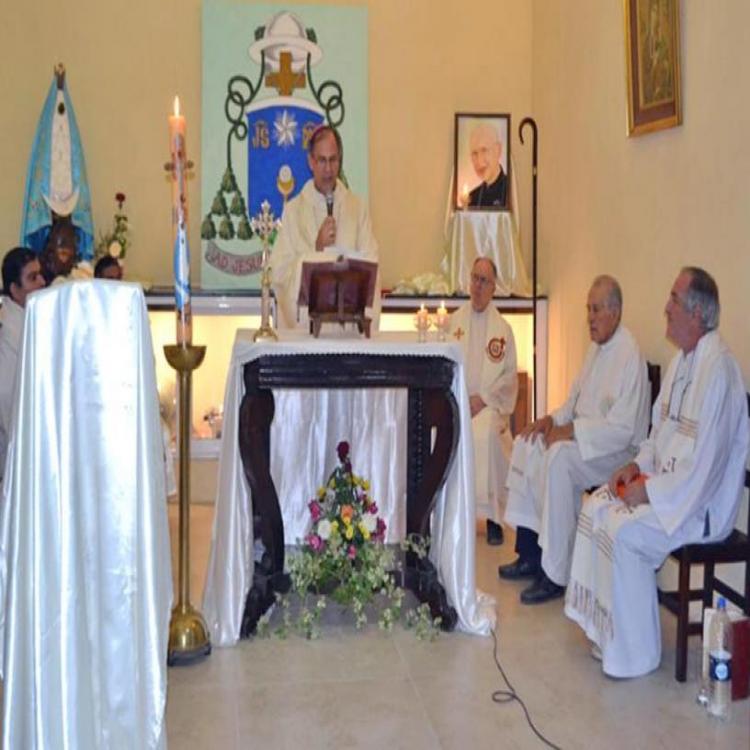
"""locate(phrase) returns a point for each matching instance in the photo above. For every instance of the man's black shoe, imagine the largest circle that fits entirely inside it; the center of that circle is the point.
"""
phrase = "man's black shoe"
(518, 570)
(542, 590)
(494, 533)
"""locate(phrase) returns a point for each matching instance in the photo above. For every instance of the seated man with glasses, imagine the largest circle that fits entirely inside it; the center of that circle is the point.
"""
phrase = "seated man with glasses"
(575, 447)
(324, 216)
(492, 384)
(684, 487)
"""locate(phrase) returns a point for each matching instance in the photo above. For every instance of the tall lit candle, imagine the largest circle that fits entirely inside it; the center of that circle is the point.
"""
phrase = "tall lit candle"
(179, 226)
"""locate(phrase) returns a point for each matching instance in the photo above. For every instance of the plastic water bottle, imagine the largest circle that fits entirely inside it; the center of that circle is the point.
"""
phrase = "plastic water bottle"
(720, 662)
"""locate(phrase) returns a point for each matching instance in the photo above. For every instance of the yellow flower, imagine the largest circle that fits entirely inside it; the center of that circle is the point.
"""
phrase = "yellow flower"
(365, 485)
(349, 533)
(334, 526)
(363, 530)
(321, 492)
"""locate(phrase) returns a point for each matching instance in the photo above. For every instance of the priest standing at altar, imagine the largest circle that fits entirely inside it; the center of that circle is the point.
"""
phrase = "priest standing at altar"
(325, 220)
(492, 382)
(575, 447)
(684, 487)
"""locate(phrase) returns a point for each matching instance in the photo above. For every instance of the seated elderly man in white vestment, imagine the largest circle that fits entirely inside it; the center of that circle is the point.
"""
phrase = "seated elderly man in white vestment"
(492, 383)
(684, 487)
(22, 274)
(560, 455)
(324, 220)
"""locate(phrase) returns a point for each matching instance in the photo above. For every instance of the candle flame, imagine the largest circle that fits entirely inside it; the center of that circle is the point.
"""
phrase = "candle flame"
(177, 106)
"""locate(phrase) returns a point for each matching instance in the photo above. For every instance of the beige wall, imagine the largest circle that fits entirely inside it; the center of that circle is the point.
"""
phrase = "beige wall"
(126, 61)
(640, 208)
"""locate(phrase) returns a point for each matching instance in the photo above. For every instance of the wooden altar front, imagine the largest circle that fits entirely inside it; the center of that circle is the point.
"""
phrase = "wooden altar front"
(431, 406)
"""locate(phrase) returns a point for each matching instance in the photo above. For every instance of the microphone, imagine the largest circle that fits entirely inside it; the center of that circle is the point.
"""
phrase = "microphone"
(329, 204)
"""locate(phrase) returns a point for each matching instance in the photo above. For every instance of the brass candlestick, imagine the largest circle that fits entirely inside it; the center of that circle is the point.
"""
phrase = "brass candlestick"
(188, 635)
(265, 225)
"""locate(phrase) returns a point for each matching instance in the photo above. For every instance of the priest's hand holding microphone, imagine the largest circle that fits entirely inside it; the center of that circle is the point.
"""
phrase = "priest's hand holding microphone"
(327, 231)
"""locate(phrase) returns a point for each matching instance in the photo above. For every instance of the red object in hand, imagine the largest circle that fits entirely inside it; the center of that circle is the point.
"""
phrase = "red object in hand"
(637, 479)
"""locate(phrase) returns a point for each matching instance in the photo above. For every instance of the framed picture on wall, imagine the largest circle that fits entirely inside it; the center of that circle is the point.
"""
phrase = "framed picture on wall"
(481, 162)
(652, 32)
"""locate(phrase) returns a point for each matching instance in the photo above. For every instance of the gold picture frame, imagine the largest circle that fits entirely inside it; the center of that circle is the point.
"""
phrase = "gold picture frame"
(652, 50)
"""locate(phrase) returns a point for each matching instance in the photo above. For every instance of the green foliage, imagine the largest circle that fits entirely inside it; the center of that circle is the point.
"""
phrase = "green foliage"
(344, 558)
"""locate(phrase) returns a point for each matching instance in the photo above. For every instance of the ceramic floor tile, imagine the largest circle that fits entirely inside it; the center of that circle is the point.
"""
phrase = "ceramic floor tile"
(362, 713)
(201, 717)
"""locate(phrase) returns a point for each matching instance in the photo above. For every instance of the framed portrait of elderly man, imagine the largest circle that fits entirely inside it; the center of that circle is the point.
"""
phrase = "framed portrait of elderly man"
(652, 31)
(481, 166)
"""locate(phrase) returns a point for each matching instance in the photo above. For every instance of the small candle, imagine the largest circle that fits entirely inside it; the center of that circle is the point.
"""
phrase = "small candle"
(465, 195)
(422, 322)
(177, 130)
(441, 320)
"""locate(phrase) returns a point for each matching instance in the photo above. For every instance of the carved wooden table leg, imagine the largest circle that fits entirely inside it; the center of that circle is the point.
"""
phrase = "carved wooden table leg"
(256, 414)
(429, 408)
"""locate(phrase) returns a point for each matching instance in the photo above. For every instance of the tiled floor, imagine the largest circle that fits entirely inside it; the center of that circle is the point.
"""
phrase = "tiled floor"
(372, 690)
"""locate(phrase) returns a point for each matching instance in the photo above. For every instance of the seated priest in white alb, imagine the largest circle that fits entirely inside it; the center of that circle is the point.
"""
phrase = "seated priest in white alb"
(684, 487)
(324, 221)
(492, 382)
(85, 564)
(22, 274)
(575, 447)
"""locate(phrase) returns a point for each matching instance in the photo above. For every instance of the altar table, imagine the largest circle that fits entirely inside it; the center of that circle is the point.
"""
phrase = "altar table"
(231, 565)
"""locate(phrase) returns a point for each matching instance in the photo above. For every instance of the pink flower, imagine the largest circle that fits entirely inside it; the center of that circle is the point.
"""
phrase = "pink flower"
(343, 450)
(315, 542)
(351, 553)
(372, 508)
(379, 534)
(315, 510)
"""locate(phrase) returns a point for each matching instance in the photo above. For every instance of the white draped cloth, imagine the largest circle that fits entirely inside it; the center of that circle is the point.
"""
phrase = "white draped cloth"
(230, 568)
(487, 234)
(489, 350)
(84, 538)
(695, 457)
(10, 342)
(295, 245)
(608, 405)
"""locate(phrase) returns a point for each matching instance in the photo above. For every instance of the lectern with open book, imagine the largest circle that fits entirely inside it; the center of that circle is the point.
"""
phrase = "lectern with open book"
(338, 292)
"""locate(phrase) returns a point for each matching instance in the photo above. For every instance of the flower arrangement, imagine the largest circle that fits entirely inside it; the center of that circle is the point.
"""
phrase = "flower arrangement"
(117, 242)
(345, 556)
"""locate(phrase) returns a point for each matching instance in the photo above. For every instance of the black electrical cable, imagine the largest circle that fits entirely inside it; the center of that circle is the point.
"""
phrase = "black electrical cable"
(510, 695)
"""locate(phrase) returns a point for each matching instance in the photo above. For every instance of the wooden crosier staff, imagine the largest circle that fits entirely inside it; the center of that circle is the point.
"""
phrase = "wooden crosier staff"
(532, 123)
(188, 634)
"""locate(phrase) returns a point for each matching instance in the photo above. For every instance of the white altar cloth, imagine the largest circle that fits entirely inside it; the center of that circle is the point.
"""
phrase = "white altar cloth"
(230, 567)
(488, 234)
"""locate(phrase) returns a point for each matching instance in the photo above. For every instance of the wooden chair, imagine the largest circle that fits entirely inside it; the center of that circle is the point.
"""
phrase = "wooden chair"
(734, 549)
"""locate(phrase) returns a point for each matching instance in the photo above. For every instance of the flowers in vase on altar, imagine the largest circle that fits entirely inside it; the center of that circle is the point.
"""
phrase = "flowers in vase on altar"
(345, 550)
(344, 556)
(117, 242)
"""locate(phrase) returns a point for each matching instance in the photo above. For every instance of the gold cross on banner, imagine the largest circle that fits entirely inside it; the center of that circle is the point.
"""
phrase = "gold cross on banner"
(459, 333)
(286, 80)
